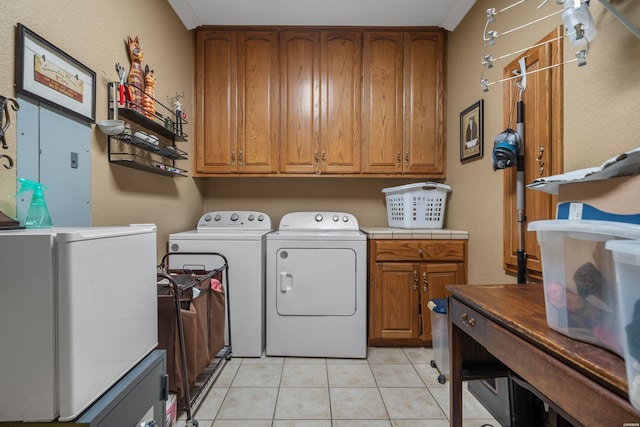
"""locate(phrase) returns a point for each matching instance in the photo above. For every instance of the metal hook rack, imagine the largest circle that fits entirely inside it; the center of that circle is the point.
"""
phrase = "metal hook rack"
(490, 36)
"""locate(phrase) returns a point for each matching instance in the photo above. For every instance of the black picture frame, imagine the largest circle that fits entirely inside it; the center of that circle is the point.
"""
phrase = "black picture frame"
(46, 74)
(472, 132)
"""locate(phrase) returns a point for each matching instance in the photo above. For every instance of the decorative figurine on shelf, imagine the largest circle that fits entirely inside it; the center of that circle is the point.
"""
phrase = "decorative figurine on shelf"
(149, 101)
(178, 128)
(136, 77)
(180, 115)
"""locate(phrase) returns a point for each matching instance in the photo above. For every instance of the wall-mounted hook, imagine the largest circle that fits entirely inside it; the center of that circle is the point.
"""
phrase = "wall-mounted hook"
(9, 160)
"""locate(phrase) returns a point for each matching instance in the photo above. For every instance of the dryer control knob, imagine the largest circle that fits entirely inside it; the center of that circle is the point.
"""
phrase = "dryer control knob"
(335, 218)
(207, 217)
(345, 219)
(234, 217)
(318, 217)
(260, 217)
(251, 217)
(217, 218)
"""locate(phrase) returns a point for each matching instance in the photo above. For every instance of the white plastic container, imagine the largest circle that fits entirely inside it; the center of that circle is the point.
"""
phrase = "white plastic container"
(440, 337)
(626, 256)
(419, 205)
(579, 278)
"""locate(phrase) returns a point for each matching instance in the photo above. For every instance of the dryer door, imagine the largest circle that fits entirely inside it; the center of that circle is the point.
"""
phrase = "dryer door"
(316, 282)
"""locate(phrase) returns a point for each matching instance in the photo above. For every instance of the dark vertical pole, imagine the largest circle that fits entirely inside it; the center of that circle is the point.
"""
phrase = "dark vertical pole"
(522, 256)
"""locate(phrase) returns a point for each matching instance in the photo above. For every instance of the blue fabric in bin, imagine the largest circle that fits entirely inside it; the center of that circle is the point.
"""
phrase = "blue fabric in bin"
(440, 305)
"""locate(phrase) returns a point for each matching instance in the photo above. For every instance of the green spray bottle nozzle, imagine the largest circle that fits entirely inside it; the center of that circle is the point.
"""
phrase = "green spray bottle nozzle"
(38, 214)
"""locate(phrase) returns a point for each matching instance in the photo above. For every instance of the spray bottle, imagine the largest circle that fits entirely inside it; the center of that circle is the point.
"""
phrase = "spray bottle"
(38, 214)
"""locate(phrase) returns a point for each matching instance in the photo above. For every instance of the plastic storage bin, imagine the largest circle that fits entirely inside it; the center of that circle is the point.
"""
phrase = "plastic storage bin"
(626, 256)
(419, 205)
(579, 278)
(440, 337)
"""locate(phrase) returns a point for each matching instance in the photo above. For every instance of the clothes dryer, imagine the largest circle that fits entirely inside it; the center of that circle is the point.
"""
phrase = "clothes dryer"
(316, 287)
(240, 237)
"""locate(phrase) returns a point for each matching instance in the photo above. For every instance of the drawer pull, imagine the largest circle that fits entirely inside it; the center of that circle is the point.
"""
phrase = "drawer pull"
(420, 252)
(469, 321)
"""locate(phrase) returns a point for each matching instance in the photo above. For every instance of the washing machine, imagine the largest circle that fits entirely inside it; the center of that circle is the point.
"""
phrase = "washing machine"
(316, 286)
(240, 237)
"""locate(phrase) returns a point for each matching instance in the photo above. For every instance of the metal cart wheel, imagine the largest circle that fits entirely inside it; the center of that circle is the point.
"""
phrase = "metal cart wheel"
(433, 363)
(192, 423)
(442, 379)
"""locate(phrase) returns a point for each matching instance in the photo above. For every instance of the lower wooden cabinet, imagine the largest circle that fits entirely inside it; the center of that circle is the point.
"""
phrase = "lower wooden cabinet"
(403, 276)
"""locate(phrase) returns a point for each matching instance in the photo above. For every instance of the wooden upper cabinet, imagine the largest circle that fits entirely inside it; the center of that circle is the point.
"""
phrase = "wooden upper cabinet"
(216, 101)
(341, 78)
(258, 103)
(424, 115)
(300, 101)
(403, 103)
(315, 100)
(382, 102)
(237, 129)
(320, 80)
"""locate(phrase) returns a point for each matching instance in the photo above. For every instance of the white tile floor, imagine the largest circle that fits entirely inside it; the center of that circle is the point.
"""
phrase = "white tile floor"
(393, 387)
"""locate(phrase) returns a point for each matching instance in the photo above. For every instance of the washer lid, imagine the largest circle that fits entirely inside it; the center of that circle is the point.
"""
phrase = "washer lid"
(220, 234)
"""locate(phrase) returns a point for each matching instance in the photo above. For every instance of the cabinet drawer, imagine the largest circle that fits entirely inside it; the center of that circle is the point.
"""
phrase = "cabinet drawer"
(470, 321)
(419, 250)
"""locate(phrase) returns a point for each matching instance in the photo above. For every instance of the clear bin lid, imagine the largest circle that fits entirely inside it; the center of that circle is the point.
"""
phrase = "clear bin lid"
(609, 228)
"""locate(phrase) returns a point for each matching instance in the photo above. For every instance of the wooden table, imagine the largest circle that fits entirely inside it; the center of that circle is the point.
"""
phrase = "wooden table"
(492, 327)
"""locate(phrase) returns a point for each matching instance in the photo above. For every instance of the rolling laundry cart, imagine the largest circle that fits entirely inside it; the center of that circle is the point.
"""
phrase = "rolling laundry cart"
(191, 327)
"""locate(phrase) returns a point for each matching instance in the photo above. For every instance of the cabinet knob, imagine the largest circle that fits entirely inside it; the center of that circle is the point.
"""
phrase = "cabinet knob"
(399, 158)
(425, 284)
(469, 321)
(420, 252)
(233, 157)
(406, 158)
(415, 280)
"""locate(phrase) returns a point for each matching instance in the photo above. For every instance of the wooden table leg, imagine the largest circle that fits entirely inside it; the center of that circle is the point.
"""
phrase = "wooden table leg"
(455, 366)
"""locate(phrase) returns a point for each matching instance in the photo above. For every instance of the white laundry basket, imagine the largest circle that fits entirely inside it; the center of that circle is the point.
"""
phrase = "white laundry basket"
(419, 205)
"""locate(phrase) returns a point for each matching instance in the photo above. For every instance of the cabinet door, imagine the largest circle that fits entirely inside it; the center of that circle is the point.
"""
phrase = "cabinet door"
(340, 60)
(382, 102)
(424, 114)
(216, 102)
(543, 142)
(258, 125)
(395, 302)
(434, 277)
(300, 101)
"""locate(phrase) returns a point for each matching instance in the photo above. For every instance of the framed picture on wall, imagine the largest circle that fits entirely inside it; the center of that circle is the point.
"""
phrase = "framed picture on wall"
(471, 132)
(48, 75)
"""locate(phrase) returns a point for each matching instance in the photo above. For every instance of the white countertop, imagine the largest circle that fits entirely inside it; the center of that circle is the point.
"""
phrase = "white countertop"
(416, 233)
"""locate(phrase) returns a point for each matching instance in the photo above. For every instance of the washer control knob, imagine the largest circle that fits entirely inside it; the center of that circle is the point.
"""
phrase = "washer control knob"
(207, 217)
(217, 218)
(234, 216)
(345, 219)
(318, 217)
(260, 217)
(335, 218)
(251, 217)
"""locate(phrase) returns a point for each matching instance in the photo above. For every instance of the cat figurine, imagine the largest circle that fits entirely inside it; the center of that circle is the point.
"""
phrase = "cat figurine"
(136, 77)
(149, 102)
